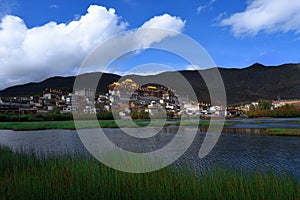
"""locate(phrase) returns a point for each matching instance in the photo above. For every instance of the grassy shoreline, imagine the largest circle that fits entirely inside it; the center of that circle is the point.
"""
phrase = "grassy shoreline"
(26, 177)
(69, 125)
(283, 132)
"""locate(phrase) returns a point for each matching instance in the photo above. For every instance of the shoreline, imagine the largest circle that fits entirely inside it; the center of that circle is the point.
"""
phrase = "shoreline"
(86, 124)
(203, 125)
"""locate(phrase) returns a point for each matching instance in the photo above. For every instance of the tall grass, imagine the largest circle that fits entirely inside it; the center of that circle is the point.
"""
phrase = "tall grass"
(18, 126)
(26, 177)
(283, 131)
(282, 112)
(45, 125)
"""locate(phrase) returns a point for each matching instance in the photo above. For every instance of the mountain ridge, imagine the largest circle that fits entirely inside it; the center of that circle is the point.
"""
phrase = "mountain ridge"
(242, 85)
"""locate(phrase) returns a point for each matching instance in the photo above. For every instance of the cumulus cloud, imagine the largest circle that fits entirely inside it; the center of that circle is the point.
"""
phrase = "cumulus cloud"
(265, 15)
(165, 21)
(7, 6)
(33, 54)
(131, 43)
(166, 25)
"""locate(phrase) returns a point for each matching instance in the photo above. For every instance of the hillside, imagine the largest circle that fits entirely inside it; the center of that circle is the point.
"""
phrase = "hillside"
(242, 85)
(30, 89)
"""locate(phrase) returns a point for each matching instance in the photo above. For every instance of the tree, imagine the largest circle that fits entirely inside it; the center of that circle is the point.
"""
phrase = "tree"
(55, 111)
(134, 115)
(144, 115)
(264, 105)
(170, 115)
(252, 107)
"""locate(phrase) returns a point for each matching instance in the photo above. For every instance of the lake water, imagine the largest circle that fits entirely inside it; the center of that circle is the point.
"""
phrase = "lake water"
(234, 149)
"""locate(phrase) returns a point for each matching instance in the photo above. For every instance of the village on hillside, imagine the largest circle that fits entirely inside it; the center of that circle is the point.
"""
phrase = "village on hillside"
(124, 97)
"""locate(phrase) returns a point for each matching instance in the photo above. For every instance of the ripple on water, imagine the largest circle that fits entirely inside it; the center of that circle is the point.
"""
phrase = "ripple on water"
(249, 151)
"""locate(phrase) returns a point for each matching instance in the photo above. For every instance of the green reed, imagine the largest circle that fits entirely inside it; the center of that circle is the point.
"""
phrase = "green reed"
(24, 176)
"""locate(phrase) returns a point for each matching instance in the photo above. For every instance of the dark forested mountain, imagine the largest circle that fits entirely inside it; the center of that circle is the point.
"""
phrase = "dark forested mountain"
(261, 82)
(242, 85)
(30, 89)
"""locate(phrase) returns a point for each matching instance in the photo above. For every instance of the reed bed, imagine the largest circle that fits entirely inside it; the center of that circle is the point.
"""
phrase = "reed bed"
(46, 125)
(283, 131)
(24, 176)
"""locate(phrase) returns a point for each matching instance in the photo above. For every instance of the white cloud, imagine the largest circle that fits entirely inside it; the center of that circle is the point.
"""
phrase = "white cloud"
(265, 15)
(132, 43)
(200, 9)
(33, 54)
(193, 67)
(166, 25)
(54, 6)
(212, 2)
(203, 7)
(166, 22)
(7, 6)
(218, 18)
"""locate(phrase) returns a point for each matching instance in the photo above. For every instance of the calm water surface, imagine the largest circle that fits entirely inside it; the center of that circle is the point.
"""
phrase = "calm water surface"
(248, 151)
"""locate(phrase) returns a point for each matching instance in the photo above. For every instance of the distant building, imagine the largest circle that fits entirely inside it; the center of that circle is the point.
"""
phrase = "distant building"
(154, 108)
(87, 92)
(11, 108)
(191, 109)
(27, 111)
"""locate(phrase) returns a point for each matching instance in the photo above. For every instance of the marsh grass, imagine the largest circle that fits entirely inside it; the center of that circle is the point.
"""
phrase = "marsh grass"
(46, 125)
(27, 177)
(283, 131)
(37, 125)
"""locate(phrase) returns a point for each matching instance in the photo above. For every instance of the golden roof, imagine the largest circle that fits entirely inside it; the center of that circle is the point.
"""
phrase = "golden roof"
(151, 87)
(129, 80)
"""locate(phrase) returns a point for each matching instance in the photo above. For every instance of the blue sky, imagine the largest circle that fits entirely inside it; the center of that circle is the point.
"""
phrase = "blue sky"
(235, 33)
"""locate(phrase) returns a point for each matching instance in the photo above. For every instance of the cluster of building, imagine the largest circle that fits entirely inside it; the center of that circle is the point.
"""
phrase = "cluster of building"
(123, 97)
(48, 101)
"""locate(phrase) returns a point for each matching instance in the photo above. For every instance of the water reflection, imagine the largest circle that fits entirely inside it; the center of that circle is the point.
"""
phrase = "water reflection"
(249, 131)
(50, 142)
(239, 148)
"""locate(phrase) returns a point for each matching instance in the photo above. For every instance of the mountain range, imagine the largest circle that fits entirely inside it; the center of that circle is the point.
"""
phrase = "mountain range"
(242, 85)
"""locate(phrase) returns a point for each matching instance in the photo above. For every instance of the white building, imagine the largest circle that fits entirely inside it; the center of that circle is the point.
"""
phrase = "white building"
(90, 110)
(191, 109)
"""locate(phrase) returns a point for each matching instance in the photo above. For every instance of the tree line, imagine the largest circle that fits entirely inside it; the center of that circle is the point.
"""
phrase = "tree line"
(264, 109)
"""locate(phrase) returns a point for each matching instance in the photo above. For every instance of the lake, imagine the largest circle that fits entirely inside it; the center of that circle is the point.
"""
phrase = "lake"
(235, 149)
